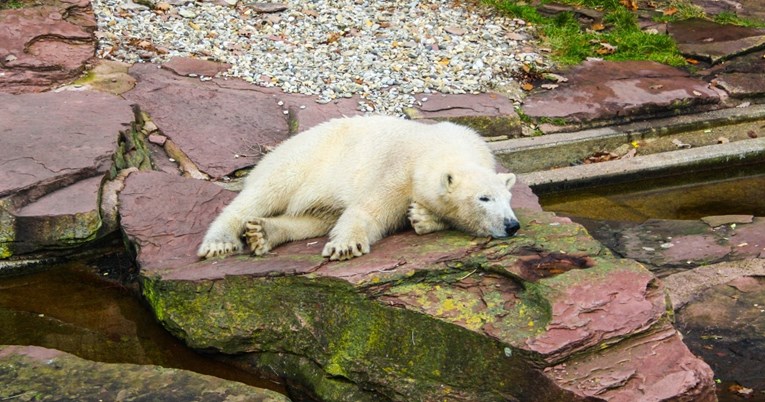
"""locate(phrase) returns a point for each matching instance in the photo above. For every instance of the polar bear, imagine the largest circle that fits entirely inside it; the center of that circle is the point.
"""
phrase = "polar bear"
(359, 179)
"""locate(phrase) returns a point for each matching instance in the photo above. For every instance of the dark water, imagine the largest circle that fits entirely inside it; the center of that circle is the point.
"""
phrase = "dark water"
(73, 308)
(741, 191)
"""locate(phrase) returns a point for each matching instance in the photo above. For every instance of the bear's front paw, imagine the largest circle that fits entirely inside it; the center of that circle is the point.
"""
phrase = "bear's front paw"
(217, 247)
(256, 237)
(423, 221)
(345, 250)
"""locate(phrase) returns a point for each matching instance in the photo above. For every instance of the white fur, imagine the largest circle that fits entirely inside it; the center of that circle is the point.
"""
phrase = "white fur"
(356, 178)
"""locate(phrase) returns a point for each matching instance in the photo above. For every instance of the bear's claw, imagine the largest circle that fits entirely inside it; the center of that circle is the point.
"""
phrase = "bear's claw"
(256, 237)
(211, 249)
(340, 251)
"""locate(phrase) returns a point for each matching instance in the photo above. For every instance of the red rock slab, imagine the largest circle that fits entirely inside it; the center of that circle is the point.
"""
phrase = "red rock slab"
(50, 140)
(187, 66)
(713, 42)
(653, 367)
(220, 129)
(166, 217)
(39, 48)
(587, 311)
(626, 90)
(491, 114)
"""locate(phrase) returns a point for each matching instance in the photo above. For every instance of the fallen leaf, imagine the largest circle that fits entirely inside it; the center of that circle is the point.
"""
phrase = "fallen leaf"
(680, 144)
(670, 11)
(697, 93)
(630, 4)
(527, 86)
(631, 153)
(751, 134)
(740, 389)
(597, 26)
(606, 48)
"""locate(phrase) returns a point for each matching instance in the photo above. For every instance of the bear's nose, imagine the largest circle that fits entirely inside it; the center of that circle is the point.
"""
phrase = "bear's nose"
(511, 226)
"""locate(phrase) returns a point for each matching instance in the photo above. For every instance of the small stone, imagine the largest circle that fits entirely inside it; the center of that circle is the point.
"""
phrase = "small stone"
(266, 8)
(186, 13)
(455, 30)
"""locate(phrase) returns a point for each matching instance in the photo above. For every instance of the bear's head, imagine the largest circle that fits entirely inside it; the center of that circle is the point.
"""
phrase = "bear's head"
(477, 201)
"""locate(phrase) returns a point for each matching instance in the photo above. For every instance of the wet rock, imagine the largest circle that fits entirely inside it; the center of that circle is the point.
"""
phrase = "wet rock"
(753, 9)
(690, 243)
(491, 114)
(41, 47)
(713, 42)
(740, 77)
(31, 372)
(220, 129)
(621, 91)
(407, 321)
(723, 321)
(50, 142)
(190, 67)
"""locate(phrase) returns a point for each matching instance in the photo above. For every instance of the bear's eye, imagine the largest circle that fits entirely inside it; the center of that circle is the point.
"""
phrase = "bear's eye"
(484, 198)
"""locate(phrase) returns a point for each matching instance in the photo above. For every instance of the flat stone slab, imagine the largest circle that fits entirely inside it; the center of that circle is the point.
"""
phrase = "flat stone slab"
(490, 114)
(547, 293)
(621, 91)
(740, 77)
(224, 125)
(681, 243)
(709, 41)
(35, 373)
(43, 46)
(56, 149)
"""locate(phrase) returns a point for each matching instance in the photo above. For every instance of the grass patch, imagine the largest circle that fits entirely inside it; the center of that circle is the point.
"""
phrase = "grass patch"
(10, 4)
(619, 38)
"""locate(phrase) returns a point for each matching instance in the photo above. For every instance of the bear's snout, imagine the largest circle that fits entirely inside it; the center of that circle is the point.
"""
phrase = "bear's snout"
(511, 226)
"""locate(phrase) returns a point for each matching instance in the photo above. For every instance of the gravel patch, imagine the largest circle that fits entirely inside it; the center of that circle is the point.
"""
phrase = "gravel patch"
(383, 51)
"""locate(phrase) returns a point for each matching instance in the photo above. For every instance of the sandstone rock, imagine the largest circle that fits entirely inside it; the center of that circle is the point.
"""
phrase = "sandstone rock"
(724, 321)
(492, 115)
(713, 42)
(621, 91)
(688, 243)
(51, 375)
(442, 316)
(220, 129)
(187, 66)
(40, 48)
(78, 132)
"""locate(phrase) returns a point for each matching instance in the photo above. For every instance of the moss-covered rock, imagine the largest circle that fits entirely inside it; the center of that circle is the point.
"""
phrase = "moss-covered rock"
(443, 316)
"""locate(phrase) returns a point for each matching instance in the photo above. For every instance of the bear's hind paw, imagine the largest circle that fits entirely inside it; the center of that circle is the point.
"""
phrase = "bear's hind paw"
(256, 237)
(339, 251)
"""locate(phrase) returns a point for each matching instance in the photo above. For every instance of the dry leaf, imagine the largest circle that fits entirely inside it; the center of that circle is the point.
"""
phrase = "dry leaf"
(606, 48)
(751, 134)
(630, 4)
(692, 61)
(680, 144)
(527, 86)
(670, 11)
(597, 26)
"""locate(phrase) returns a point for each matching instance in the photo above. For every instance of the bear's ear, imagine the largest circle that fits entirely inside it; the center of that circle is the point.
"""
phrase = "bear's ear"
(447, 182)
(509, 179)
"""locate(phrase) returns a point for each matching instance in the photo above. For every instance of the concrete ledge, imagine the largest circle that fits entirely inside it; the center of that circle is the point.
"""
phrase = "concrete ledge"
(643, 167)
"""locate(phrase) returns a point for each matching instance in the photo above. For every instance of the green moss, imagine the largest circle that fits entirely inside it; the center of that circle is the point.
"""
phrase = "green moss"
(385, 351)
